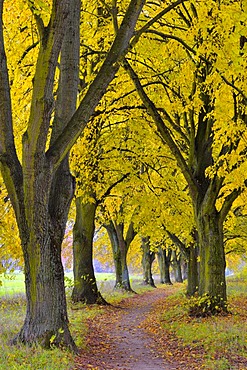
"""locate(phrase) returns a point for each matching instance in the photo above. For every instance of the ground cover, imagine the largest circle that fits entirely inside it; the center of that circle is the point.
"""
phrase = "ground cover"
(156, 324)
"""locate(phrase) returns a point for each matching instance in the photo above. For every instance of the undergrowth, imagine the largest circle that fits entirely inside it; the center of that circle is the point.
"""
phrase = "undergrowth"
(221, 338)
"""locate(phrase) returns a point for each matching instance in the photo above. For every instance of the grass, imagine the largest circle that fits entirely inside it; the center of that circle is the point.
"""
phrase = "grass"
(12, 314)
(223, 338)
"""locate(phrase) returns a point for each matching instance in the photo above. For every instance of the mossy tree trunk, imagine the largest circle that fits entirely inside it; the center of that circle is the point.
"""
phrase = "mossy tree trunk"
(47, 190)
(85, 286)
(193, 273)
(147, 260)
(212, 257)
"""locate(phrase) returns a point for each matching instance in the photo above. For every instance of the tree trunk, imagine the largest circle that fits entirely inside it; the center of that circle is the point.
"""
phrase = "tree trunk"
(161, 263)
(46, 320)
(85, 287)
(116, 253)
(167, 264)
(124, 244)
(212, 259)
(147, 260)
(193, 281)
(164, 258)
(176, 264)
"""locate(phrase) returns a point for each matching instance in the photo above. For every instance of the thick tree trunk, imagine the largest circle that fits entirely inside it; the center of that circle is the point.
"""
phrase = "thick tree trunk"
(116, 253)
(167, 264)
(46, 319)
(147, 260)
(85, 286)
(193, 275)
(212, 259)
(125, 271)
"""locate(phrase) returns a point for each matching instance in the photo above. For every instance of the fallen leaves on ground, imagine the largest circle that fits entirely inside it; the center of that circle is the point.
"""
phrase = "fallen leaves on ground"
(102, 353)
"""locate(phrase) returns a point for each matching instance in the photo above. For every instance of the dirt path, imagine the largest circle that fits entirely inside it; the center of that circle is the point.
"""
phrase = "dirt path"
(117, 342)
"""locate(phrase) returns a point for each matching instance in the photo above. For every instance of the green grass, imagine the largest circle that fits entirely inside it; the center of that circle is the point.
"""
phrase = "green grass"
(12, 314)
(223, 338)
(12, 284)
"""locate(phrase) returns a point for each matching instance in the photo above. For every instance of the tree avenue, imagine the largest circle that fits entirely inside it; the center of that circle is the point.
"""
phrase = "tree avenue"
(160, 143)
(39, 185)
(198, 105)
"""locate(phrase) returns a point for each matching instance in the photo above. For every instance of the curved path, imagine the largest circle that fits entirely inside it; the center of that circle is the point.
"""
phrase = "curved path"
(117, 342)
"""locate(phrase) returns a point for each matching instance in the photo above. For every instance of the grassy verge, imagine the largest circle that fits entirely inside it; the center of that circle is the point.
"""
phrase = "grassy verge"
(216, 343)
(220, 341)
(12, 313)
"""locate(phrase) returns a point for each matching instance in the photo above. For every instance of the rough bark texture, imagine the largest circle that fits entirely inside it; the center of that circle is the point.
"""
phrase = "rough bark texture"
(212, 258)
(85, 287)
(47, 197)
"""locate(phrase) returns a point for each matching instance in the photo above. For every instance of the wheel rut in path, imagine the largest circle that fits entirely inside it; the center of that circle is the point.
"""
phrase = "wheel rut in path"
(117, 342)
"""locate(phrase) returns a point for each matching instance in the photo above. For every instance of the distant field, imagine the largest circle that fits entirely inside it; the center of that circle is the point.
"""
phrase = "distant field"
(14, 284)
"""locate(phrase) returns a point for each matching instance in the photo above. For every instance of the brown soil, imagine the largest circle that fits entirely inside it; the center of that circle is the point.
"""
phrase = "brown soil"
(117, 340)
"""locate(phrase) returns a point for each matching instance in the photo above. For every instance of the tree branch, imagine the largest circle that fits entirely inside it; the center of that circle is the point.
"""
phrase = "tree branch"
(162, 128)
(78, 122)
(154, 20)
(228, 203)
(108, 191)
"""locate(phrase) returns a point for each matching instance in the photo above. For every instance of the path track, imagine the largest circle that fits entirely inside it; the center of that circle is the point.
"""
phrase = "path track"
(117, 342)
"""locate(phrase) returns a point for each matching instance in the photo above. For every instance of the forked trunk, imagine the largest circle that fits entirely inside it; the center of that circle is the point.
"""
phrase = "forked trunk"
(116, 253)
(147, 261)
(164, 259)
(46, 319)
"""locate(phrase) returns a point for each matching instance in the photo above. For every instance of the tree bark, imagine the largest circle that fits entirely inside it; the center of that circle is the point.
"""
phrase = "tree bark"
(116, 253)
(212, 258)
(85, 286)
(147, 260)
(124, 244)
(193, 274)
(176, 264)
(164, 258)
(48, 193)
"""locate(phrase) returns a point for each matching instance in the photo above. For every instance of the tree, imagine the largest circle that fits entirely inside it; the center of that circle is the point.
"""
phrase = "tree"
(191, 120)
(41, 187)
